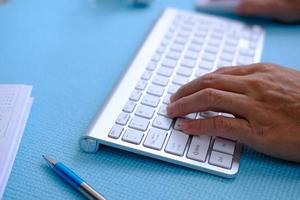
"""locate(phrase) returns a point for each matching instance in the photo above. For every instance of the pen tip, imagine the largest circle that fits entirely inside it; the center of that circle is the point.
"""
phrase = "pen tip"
(51, 162)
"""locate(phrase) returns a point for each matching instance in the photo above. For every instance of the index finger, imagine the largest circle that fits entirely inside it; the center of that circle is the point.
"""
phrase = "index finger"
(212, 80)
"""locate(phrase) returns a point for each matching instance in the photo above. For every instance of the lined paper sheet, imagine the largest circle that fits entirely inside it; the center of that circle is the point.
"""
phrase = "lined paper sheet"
(15, 105)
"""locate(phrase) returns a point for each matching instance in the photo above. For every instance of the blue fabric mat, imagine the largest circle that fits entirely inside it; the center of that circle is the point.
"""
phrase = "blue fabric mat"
(73, 52)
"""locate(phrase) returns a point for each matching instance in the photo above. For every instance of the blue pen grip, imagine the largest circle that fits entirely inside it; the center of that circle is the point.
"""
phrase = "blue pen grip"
(68, 175)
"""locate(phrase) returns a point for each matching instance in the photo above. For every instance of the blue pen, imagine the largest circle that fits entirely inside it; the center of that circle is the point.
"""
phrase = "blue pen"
(73, 179)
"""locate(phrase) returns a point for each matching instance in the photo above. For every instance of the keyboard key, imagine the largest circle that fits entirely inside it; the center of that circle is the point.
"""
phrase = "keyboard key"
(180, 40)
(206, 65)
(161, 49)
(139, 123)
(217, 35)
(160, 80)
(220, 159)
(180, 80)
(212, 49)
(115, 131)
(129, 107)
(145, 111)
(187, 27)
(191, 55)
(229, 49)
(184, 71)
(177, 125)
(150, 100)
(155, 138)
(123, 118)
(135, 95)
(247, 52)
(223, 63)
(156, 57)
(173, 88)
(169, 63)
(195, 47)
(201, 33)
(155, 90)
(215, 42)
(146, 75)
(190, 116)
(227, 115)
(199, 148)
(232, 41)
(198, 40)
(173, 55)
(209, 114)
(244, 60)
(209, 57)
(133, 136)
(188, 63)
(164, 71)
(166, 40)
(177, 143)
(223, 145)
(227, 56)
(162, 122)
(151, 66)
(177, 47)
(163, 110)
(167, 99)
(200, 72)
(141, 85)
(184, 33)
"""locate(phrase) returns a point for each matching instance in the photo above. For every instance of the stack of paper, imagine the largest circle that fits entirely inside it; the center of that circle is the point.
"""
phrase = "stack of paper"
(15, 105)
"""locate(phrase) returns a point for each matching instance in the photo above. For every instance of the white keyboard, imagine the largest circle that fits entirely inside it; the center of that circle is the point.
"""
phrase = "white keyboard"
(181, 47)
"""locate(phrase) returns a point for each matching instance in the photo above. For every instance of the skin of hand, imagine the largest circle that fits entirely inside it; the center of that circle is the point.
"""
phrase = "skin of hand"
(282, 10)
(264, 98)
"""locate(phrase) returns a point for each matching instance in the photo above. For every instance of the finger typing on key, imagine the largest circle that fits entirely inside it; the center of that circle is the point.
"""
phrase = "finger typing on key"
(264, 98)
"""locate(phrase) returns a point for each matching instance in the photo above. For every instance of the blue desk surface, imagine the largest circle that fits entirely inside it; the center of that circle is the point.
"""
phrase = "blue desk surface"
(73, 52)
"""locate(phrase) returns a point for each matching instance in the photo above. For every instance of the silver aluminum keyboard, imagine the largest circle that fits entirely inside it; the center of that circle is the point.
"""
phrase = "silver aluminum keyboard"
(181, 47)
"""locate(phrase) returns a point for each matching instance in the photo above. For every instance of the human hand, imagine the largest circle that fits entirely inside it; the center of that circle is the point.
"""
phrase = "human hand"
(264, 98)
(282, 10)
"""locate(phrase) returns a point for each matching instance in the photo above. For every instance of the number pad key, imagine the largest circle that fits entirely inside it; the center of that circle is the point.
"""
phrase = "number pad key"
(223, 145)
(220, 159)
(198, 148)
(155, 138)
